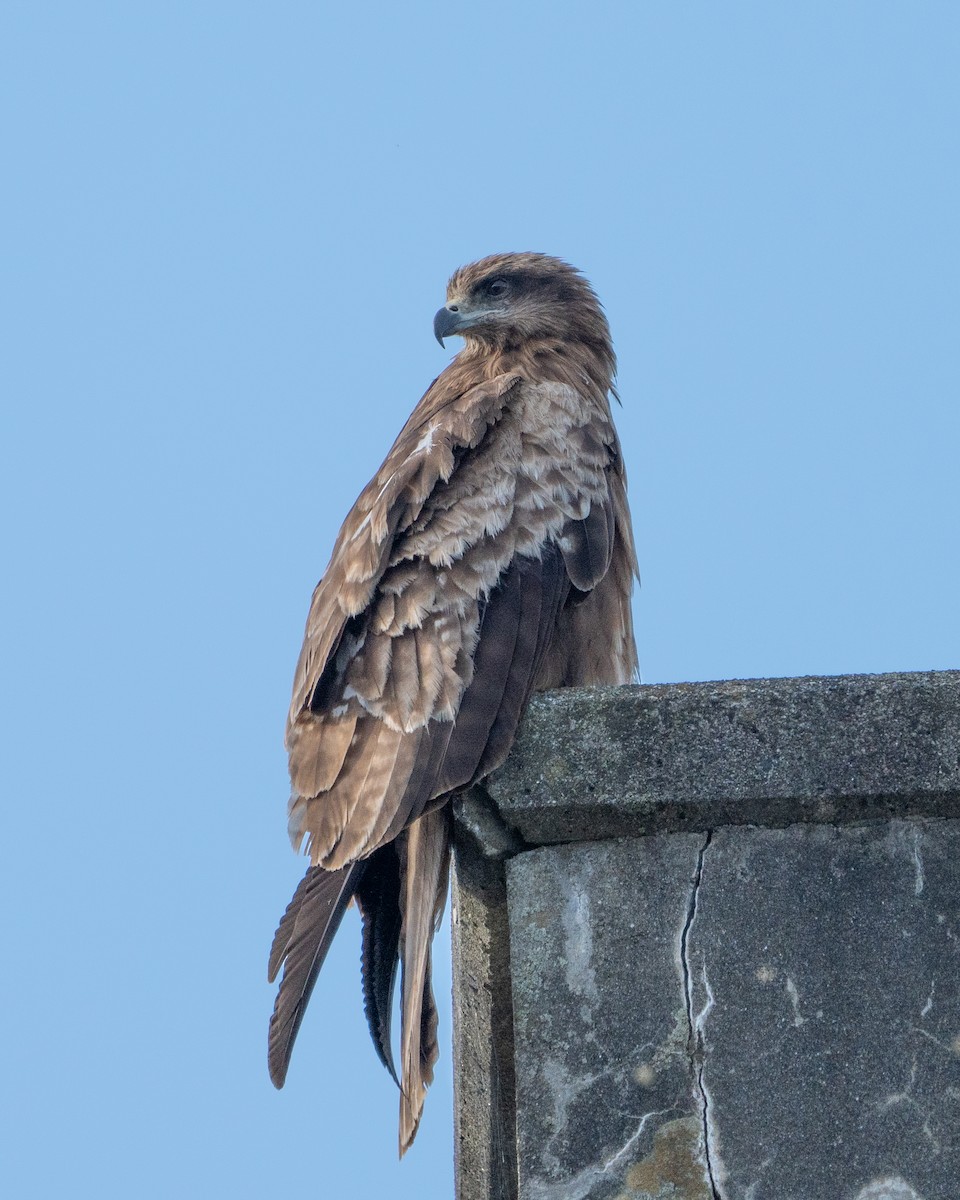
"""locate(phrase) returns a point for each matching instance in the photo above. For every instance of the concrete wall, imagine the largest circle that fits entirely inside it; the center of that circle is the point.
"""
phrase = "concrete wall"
(706, 946)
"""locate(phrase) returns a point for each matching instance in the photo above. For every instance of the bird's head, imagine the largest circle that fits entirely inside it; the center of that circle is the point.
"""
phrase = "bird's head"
(508, 299)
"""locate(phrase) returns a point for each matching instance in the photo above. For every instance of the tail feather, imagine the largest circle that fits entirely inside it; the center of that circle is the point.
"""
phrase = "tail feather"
(424, 861)
(281, 939)
(378, 898)
(300, 945)
(429, 1025)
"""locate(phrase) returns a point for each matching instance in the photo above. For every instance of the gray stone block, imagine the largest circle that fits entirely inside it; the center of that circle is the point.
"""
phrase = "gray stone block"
(825, 974)
(621, 762)
(752, 1015)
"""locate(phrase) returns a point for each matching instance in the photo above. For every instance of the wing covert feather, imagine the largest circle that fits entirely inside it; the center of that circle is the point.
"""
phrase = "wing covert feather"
(423, 454)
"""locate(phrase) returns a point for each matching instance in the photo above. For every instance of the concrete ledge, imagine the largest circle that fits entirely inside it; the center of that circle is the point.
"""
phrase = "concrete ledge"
(739, 976)
(624, 762)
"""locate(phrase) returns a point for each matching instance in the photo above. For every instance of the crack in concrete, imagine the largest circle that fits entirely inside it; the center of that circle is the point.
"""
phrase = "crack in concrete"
(580, 1186)
(564, 1092)
(628, 1145)
(695, 1043)
(906, 1096)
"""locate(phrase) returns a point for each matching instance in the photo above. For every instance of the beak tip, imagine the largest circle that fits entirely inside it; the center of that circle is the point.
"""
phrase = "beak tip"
(445, 323)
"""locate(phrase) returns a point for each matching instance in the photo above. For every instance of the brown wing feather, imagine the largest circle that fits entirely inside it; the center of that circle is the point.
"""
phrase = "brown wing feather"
(537, 625)
(497, 637)
(376, 771)
(518, 621)
(417, 799)
(319, 747)
(587, 546)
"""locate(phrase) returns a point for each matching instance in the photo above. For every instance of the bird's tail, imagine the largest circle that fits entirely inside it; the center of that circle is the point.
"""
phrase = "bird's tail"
(400, 891)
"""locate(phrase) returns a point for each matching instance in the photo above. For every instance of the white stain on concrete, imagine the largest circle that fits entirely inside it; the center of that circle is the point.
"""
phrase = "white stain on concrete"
(798, 1018)
(578, 939)
(890, 1188)
(918, 877)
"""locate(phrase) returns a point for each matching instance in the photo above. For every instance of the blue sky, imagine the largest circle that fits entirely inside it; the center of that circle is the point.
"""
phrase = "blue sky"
(225, 231)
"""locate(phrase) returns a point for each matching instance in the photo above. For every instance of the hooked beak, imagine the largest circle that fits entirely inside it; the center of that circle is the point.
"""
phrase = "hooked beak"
(446, 322)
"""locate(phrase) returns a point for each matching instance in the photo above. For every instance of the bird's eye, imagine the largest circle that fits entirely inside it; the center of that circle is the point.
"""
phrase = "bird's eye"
(497, 287)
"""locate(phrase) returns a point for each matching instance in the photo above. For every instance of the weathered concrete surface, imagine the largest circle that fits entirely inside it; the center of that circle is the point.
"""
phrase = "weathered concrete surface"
(825, 973)
(601, 1022)
(717, 1010)
(619, 762)
(754, 1015)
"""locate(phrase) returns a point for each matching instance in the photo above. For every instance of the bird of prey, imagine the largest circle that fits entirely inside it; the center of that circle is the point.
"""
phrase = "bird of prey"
(490, 556)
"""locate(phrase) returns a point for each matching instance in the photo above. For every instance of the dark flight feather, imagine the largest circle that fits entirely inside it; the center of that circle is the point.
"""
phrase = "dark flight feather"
(300, 944)
(378, 898)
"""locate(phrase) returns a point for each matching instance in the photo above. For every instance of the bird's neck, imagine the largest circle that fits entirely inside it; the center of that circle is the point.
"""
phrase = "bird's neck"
(552, 359)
